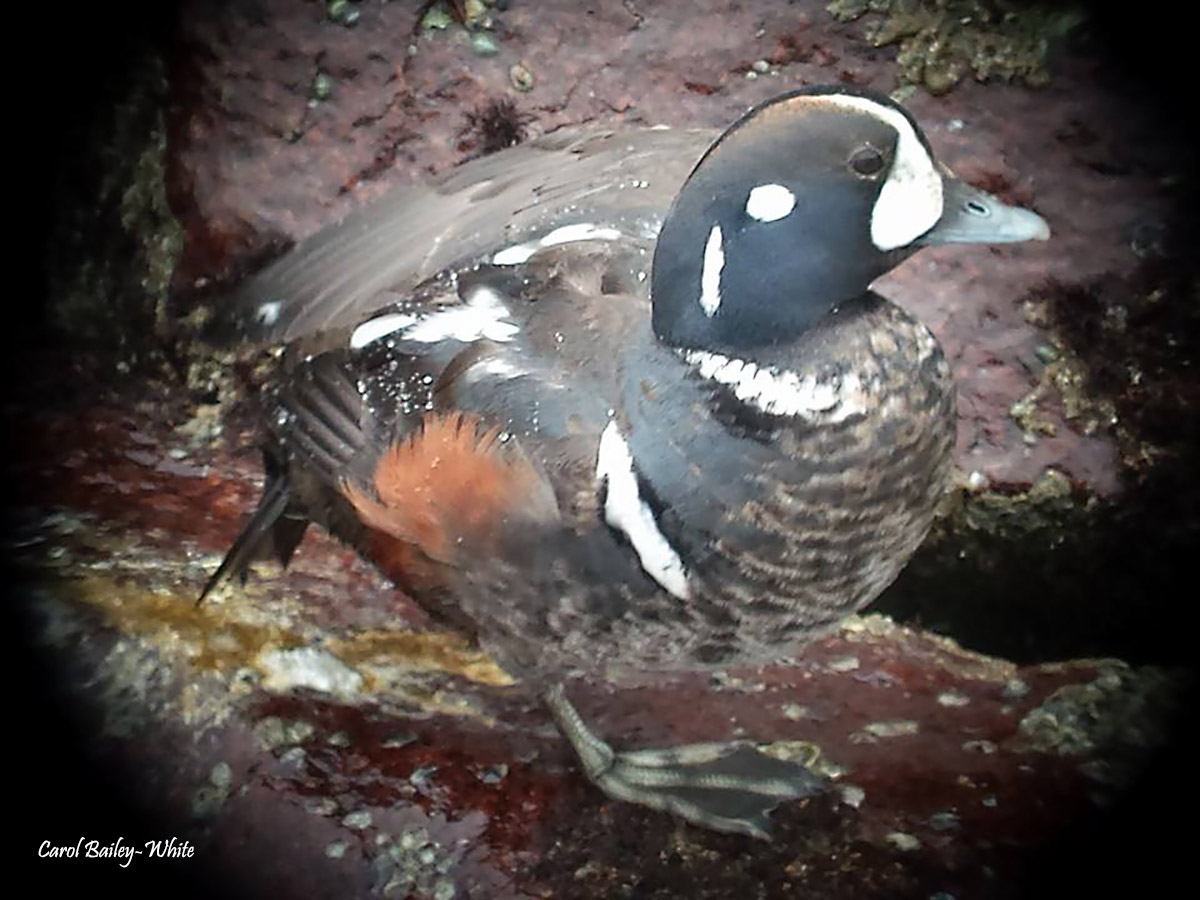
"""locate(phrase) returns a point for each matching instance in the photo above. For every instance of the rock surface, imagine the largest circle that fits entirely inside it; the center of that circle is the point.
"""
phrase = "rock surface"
(308, 737)
(305, 738)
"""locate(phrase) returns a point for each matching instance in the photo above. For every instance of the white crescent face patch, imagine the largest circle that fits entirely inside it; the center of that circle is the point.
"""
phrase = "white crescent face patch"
(910, 201)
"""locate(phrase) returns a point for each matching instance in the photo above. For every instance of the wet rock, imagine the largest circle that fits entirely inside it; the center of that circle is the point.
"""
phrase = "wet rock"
(312, 737)
(484, 800)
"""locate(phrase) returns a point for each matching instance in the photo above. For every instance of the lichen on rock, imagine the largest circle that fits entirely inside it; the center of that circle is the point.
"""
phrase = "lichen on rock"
(115, 240)
(1113, 723)
(942, 41)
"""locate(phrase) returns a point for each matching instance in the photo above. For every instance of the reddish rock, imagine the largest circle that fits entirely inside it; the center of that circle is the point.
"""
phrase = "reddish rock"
(256, 161)
(402, 765)
(413, 768)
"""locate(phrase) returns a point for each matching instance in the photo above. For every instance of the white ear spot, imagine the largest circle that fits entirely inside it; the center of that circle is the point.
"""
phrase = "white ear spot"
(770, 202)
(625, 510)
(910, 201)
(710, 274)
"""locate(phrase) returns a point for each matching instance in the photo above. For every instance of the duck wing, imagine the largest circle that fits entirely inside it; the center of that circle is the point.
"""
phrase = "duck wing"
(347, 271)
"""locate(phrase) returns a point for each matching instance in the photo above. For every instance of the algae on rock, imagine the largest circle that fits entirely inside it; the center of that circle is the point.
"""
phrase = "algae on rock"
(943, 41)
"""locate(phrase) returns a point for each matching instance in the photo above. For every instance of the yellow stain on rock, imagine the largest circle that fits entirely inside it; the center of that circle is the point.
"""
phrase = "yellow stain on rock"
(172, 623)
(439, 651)
(225, 637)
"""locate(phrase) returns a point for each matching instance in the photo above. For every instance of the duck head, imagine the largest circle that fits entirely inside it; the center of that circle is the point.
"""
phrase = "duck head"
(797, 208)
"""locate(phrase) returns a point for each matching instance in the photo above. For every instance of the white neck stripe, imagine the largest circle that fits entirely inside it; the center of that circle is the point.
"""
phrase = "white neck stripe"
(783, 393)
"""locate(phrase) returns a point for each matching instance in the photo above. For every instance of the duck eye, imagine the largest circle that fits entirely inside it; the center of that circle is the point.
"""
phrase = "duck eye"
(866, 161)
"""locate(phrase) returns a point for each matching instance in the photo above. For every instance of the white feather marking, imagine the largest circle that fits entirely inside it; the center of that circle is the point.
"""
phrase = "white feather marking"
(910, 201)
(567, 234)
(374, 329)
(710, 275)
(498, 368)
(625, 511)
(784, 393)
(268, 313)
(585, 231)
(770, 202)
(484, 316)
(514, 255)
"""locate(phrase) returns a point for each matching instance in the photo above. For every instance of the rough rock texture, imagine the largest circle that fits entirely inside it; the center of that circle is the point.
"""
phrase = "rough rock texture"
(305, 739)
(308, 738)
(941, 42)
(286, 118)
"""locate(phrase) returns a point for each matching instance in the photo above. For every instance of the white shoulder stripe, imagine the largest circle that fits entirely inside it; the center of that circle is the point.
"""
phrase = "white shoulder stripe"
(379, 327)
(484, 315)
(625, 510)
(567, 234)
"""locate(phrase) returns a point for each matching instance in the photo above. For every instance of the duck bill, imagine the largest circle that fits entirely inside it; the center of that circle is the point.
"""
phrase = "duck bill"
(971, 216)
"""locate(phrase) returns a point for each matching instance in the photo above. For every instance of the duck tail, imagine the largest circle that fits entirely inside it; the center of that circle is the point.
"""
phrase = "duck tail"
(272, 532)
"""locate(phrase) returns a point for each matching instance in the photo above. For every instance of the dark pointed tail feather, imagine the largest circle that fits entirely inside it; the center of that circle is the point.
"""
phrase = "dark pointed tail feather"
(324, 425)
(270, 532)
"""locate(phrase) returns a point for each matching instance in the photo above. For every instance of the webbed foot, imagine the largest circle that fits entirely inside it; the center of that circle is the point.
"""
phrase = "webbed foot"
(730, 786)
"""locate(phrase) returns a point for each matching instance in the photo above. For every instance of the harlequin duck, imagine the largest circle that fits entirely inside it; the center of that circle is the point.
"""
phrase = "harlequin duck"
(615, 402)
